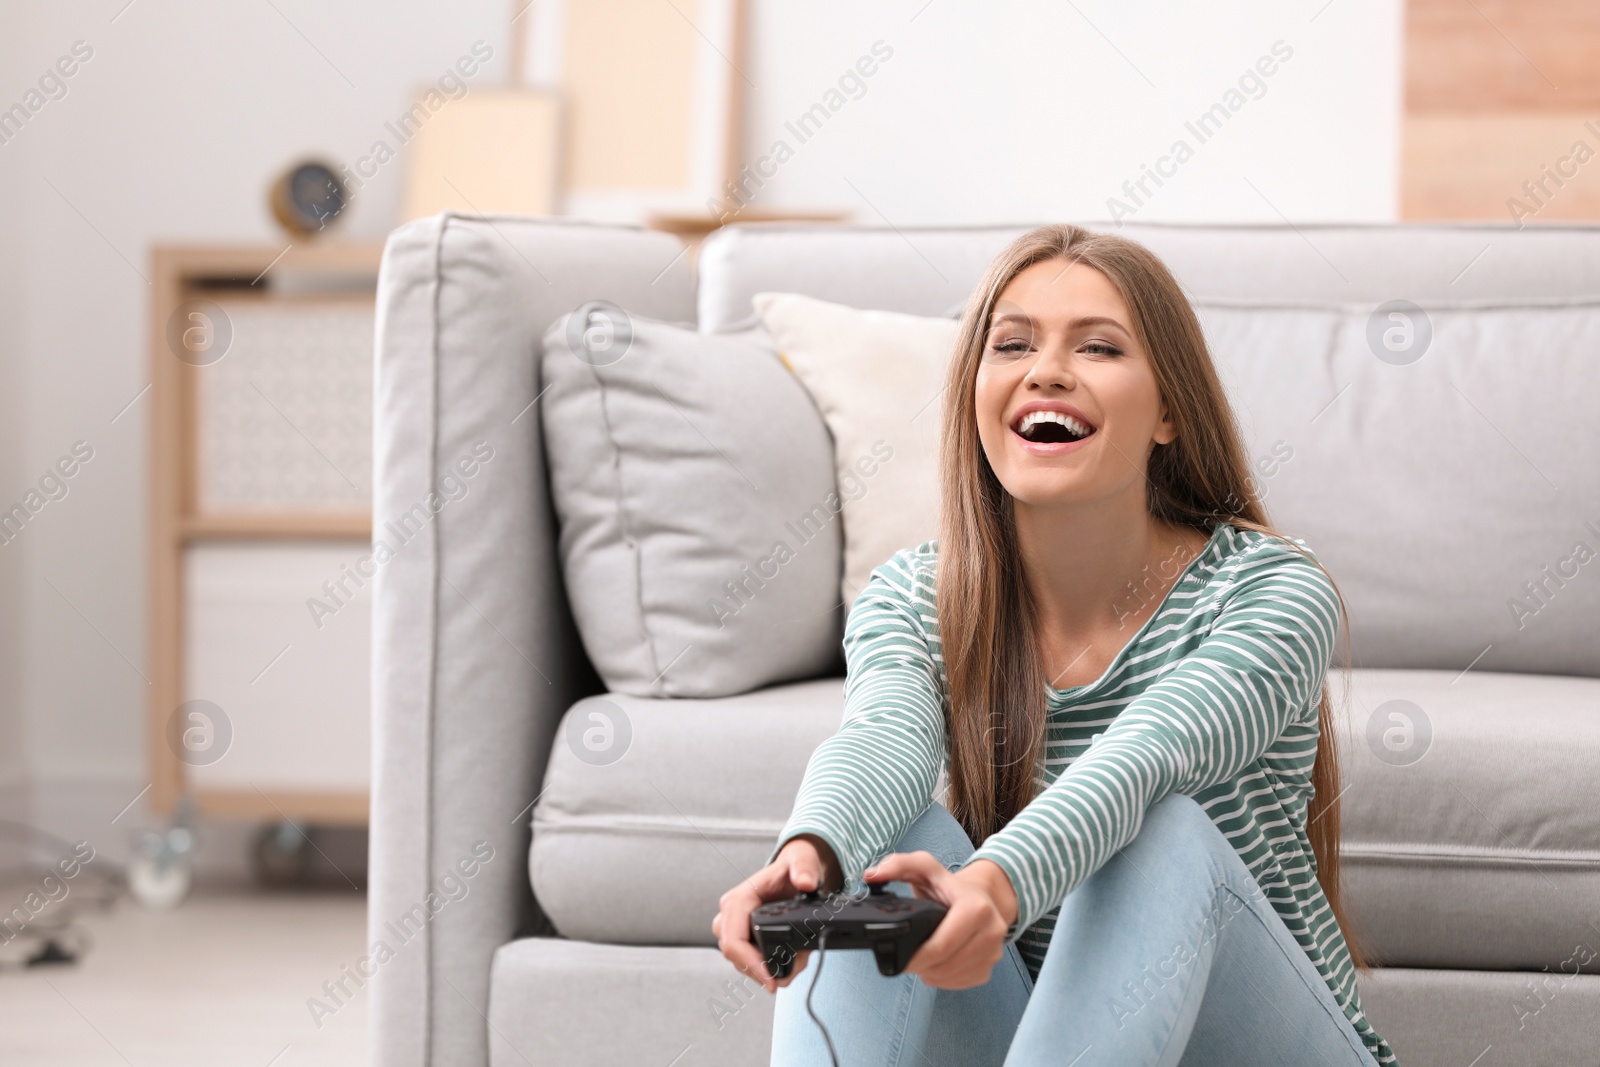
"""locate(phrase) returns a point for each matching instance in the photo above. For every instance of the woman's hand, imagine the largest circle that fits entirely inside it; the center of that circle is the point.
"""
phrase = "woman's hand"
(971, 938)
(805, 863)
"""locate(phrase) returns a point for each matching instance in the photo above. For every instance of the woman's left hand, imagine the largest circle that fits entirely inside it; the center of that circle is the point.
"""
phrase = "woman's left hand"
(970, 939)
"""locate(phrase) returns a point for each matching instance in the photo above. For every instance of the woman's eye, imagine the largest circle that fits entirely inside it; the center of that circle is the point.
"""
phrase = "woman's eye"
(1009, 349)
(1100, 348)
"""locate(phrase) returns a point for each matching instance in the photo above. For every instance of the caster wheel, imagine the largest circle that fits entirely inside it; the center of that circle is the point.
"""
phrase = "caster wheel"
(281, 855)
(161, 871)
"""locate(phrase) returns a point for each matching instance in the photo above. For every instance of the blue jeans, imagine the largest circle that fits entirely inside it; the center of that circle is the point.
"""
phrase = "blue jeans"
(1169, 954)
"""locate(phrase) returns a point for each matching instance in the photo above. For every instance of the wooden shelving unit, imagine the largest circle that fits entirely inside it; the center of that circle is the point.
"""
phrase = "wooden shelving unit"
(329, 274)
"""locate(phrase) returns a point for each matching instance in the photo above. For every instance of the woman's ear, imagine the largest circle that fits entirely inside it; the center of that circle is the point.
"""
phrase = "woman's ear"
(1166, 433)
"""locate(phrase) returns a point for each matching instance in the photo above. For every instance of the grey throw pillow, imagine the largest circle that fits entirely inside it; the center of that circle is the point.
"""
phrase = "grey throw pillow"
(693, 479)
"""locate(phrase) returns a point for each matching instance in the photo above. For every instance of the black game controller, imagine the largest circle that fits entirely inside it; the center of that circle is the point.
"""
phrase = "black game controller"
(891, 925)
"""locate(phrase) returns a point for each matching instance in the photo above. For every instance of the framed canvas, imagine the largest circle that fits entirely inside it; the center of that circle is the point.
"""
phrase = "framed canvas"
(494, 150)
(651, 97)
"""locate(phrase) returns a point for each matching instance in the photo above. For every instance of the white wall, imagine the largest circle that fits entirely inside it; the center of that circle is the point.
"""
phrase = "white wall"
(1019, 112)
(13, 763)
(170, 132)
(1032, 111)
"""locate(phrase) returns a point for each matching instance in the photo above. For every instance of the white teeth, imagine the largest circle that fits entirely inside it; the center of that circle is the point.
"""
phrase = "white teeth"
(1034, 417)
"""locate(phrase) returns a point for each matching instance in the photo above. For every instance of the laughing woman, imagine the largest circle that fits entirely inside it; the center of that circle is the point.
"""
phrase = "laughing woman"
(1120, 666)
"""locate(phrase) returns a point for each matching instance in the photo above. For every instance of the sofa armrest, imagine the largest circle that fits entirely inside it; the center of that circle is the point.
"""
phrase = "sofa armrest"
(475, 655)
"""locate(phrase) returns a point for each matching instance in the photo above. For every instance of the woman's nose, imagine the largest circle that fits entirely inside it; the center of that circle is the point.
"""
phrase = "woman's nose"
(1052, 367)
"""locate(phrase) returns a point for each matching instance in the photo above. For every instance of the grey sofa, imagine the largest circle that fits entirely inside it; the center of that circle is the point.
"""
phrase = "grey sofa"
(1439, 490)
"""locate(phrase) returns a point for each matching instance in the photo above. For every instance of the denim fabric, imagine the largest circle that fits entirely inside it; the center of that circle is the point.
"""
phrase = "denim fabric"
(1169, 955)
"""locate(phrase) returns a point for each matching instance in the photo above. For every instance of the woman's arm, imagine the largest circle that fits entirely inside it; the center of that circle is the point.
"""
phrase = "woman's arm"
(1209, 717)
(866, 784)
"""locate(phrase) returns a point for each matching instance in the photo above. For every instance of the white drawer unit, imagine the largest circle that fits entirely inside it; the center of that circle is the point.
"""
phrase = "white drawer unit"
(285, 660)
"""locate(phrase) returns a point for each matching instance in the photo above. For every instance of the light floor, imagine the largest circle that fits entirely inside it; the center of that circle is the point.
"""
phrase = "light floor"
(222, 979)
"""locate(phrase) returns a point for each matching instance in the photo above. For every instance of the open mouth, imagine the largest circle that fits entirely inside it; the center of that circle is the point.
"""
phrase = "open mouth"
(1051, 427)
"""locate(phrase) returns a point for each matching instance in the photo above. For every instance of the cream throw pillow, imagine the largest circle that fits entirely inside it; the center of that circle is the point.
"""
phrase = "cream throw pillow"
(876, 377)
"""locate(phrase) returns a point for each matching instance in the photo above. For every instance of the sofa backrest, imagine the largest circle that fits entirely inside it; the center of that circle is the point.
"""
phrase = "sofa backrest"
(1420, 402)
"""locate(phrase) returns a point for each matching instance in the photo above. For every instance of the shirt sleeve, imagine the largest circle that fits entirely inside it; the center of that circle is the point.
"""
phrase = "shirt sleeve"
(866, 784)
(1203, 722)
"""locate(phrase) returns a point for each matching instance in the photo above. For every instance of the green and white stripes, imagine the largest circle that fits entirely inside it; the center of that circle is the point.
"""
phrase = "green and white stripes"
(1215, 698)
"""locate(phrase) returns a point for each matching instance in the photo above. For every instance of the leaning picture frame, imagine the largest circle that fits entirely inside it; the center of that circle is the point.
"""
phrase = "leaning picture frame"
(652, 97)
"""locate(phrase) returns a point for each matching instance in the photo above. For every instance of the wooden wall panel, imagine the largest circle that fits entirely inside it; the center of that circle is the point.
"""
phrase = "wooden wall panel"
(1502, 117)
(1496, 55)
(1511, 167)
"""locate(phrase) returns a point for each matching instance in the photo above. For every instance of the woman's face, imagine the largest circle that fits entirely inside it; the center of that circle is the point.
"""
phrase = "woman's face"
(1067, 404)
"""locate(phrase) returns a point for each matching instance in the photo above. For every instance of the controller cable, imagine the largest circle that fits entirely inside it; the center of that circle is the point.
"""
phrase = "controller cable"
(822, 946)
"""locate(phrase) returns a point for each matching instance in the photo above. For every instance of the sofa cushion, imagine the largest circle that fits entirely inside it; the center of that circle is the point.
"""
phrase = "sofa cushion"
(930, 270)
(1470, 839)
(1477, 854)
(693, 479)
(1434, 1018)
(1435, 490)
(864, 267)
(635, 845)
(1453, 498)
(554, 1001)
(558, 1001)
(877, 377)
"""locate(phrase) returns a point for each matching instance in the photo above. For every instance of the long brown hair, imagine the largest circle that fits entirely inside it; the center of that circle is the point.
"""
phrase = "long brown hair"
(996, 710)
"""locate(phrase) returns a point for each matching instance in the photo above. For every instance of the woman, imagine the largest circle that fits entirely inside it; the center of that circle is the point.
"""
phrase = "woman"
(1121, 667)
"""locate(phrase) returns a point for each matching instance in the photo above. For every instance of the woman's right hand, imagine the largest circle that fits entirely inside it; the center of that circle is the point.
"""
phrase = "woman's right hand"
(805, 863)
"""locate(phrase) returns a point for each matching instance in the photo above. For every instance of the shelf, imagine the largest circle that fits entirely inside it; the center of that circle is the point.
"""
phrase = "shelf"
(248, 266)
(324, 809)
(355, 526)
(696, 227)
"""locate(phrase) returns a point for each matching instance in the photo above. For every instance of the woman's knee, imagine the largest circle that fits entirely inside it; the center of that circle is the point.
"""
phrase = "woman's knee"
(936, 831)
(1177, 825)
(1179, 855)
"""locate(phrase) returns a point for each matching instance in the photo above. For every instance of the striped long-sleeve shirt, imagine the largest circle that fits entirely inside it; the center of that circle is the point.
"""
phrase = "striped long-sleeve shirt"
(1215, 697)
